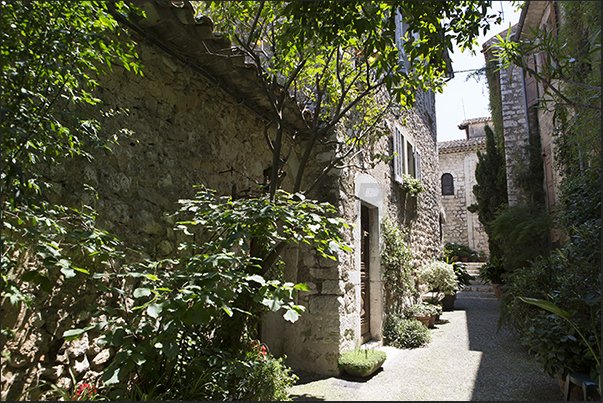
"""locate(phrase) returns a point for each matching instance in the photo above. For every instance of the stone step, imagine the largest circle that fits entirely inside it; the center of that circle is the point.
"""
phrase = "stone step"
(478, 288)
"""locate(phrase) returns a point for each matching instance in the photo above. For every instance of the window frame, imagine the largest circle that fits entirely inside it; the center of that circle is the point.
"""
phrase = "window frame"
(407, 157)
(451, 184)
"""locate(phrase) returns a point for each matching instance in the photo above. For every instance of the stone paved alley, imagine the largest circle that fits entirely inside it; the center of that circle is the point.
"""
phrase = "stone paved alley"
(467, 359)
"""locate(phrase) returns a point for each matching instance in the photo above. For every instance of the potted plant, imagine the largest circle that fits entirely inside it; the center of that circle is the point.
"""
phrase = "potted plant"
(402, 332)
(424, 312)
(439, 277)
(437, 303)
(482, 256)
(492, 272)
(463, 279)
(361, 362)
(452, 251)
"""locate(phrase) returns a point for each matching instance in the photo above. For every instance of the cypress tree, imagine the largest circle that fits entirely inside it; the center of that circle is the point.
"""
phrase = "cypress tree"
(491, 188)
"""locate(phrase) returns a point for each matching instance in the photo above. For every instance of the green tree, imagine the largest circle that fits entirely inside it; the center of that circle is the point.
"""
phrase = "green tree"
(51, 53)
(491, 188)
(333, 58)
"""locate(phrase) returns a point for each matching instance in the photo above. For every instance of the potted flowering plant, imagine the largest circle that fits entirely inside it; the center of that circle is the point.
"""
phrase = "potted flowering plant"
(440, 277)
(424, 312)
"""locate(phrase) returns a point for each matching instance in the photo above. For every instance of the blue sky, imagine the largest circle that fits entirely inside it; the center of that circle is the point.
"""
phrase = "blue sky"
(467, 99)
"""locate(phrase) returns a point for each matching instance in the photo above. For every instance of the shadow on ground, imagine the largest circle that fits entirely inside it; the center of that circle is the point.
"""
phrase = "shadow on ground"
(507, 370)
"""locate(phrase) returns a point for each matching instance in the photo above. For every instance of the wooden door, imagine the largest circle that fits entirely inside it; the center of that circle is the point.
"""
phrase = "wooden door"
(365, 325)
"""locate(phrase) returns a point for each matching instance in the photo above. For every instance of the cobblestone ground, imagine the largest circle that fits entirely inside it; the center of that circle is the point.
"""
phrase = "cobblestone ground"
(467, 359)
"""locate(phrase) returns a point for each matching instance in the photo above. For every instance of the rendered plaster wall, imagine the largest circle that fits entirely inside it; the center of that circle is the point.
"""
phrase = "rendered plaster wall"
(460, 225)
(186, 132)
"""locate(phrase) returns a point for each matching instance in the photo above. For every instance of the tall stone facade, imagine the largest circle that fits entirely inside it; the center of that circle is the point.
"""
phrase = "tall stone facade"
(514, 118)
(332, 323)
(198, 119)
(457, 163)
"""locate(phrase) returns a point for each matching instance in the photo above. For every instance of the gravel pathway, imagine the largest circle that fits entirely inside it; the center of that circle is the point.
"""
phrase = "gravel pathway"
(467, 359)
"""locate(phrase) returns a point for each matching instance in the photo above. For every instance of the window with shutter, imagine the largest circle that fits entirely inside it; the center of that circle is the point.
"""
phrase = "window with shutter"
(417, 164)
(398, 154)
(407, 158)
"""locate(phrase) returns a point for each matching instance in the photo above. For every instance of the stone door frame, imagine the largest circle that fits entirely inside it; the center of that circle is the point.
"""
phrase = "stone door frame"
(370, 195)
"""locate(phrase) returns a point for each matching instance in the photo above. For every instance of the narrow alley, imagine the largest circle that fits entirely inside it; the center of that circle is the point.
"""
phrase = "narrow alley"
(467, 359)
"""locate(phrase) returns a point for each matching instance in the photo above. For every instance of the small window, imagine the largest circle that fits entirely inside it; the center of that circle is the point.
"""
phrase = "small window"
(447, 185)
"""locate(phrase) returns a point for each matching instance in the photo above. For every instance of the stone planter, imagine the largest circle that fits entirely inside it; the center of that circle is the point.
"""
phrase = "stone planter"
(363, 372)
(360, 362)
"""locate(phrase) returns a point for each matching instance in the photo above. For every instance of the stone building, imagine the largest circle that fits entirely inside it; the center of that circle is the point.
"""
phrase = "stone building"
(457, 163)
(524, 121)
(198, 117)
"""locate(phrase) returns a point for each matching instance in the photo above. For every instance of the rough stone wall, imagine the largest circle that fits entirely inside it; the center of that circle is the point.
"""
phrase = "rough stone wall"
(460, 226)
(186, 132)
(515, 124)
(331, 323)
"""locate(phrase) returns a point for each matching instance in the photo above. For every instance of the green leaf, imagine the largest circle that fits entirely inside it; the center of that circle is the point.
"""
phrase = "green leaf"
(73, 334)
(227, 309)
(141, 292)
(257, 278)
(291, 316)
(111, 375)
(154, 310)
(170, 349)
(68, 272)
(547, 305)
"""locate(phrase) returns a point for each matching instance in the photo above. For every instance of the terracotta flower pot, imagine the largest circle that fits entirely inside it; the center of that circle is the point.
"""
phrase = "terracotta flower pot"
(424, 319)
(497, 290)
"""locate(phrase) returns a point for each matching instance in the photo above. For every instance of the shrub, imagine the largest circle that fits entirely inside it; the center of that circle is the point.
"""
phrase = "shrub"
(570, 278)
(523, 231)
(407, 333)
(439, 277)
(250, 375)
(361, 360)
(398, 273)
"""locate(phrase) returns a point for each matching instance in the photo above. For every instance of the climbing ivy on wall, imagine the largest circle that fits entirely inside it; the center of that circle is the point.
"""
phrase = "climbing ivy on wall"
(398, 272)
(495, 100)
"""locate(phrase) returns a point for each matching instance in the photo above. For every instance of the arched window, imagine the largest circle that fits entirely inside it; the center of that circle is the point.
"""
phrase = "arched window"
(447, 185)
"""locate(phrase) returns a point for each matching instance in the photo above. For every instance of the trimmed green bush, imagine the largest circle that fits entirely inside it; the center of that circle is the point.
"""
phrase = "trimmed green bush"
(406, 333)
(361, 361)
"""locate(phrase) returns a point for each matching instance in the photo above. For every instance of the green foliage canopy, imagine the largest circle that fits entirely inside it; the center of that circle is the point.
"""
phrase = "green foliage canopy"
(51, 53)
(334, 57)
